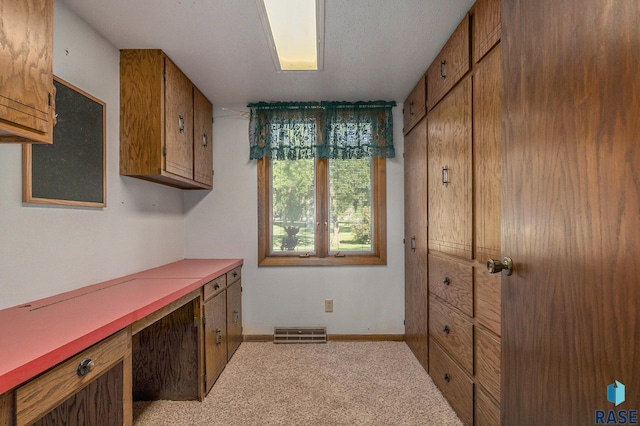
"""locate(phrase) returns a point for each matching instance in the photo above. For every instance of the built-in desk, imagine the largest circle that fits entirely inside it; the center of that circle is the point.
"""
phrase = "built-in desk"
(43, 342)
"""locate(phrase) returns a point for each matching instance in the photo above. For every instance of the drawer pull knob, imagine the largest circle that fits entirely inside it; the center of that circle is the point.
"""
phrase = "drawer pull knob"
(446, 329)
(235, 274)
(446, 281)
(218, 336)
(216, 286)
(85, 367)
(447, 377)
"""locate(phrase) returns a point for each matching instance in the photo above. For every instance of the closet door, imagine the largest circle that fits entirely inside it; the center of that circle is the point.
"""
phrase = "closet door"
(415, 195)
(570, 209)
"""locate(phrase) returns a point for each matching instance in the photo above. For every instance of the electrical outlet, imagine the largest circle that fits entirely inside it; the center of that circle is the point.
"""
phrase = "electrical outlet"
(328, 305)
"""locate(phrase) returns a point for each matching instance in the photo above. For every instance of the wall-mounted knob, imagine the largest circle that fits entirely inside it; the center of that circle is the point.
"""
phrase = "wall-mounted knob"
(495, 266)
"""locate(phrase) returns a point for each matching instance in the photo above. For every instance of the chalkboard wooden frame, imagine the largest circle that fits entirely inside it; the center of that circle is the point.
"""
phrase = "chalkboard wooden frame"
(71, 171)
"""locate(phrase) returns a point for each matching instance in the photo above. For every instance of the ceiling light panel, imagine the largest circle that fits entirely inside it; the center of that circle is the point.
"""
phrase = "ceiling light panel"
(295, 32)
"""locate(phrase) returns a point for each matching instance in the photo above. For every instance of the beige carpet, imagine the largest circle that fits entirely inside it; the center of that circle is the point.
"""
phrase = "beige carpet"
(337, 383)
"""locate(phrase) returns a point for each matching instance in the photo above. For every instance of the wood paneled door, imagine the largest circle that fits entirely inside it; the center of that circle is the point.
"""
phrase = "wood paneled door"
(415, 247)
(570, 209)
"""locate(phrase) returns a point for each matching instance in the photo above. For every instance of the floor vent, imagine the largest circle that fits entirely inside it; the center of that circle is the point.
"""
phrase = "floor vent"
(300, 335)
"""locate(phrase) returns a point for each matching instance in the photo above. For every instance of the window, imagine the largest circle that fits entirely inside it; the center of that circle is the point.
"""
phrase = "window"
(321, 182)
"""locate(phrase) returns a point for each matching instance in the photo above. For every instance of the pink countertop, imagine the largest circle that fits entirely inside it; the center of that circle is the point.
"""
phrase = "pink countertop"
(36, 336)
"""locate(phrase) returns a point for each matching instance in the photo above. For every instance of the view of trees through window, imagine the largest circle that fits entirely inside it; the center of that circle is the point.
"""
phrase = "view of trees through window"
(293, 205)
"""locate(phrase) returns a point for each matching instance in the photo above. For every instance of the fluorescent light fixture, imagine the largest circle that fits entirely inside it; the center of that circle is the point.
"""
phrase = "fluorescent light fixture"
(295, 33)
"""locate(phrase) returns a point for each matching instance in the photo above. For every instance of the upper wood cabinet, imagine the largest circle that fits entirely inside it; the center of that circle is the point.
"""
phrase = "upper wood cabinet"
(450, 173)
(451, 64)
(486, 27)
(26, 71)
(165, 122)
(415, 106)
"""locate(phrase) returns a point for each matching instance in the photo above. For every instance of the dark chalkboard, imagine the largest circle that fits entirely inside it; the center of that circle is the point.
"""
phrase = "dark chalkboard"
(71, 171)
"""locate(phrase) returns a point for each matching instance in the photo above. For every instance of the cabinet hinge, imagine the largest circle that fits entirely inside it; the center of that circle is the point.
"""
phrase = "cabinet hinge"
(164, 76)
(403, 242)
(204, 321)
(50, 99)
(164, 151)
(427, 223)
(404, 322)
(205, 379)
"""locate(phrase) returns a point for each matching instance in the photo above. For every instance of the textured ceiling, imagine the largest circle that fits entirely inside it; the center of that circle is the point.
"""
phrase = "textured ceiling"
(374, 49)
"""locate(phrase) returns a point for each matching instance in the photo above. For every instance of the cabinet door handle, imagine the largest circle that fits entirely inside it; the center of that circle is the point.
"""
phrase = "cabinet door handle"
(443, 69)
(446, 281)
(235, 274)
(85, 367)
(445, 175)
(218, 336)
(446, 329)
(411, 108)
(181, 123)
(216, 286)
(236, 316)
(205, 141)
(413, 243)
(447, 377)
(495, 266)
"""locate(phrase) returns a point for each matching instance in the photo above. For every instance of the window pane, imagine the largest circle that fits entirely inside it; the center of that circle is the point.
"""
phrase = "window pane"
(293, 206)
(350, 201)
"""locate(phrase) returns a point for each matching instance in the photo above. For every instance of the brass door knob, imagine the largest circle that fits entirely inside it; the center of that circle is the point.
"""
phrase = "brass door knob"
(496, 266)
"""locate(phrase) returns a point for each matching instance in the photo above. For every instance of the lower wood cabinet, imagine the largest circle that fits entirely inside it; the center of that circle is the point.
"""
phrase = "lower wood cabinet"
(89, 388)
(234, 317)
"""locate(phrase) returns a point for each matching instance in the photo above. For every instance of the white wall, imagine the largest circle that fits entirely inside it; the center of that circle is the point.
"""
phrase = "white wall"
(48, 249)
(223, 223)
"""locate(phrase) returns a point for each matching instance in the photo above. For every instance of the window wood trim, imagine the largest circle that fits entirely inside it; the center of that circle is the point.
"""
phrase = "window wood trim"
(379, 238)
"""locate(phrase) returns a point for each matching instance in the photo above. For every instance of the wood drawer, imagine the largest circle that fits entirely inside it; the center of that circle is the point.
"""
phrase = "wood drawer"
(44, 393)
(488, 362)
(234, 275)
(452, 331)
(455, 385)
(415, 106)
(488, 288)
(214, 287)
(487, 412)
(451, 64)
(452, 282)
(486, 27)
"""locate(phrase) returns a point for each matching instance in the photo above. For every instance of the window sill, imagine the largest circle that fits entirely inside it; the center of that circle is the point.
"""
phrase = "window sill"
(353, 260)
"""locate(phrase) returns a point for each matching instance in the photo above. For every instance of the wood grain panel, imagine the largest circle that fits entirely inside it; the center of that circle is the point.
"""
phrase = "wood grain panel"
(202, 139)
(99, 403)
(486, 27)
(7, 412)
(452, 282)
(451, 64)
(487, 89)
(488, 299)
(487, 412)
(488, 362)
(454, 384)
(215, 338)
(415, 106)
(141, 111)
(178, 98)
(166, 357)
(234, 317)
(570, 208)
(449, 141)
(26, 70)
(452, 331)
(415, 233)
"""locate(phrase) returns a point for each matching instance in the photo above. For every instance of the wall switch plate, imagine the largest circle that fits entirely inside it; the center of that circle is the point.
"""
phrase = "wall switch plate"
(328, 305)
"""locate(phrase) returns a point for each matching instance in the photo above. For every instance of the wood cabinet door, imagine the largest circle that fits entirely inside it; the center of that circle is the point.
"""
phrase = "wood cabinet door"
(570, 209)
(487, 89)
(26, 69)
(215, 338)
(415, 106)
(178, 98)
(450, 191)
(234, 318)
(202, 143)
(415, 222)
(486, 27)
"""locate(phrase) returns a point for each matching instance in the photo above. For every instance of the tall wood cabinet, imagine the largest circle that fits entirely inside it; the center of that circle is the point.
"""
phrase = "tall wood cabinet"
(165, 122)
(415, 222)
(464, 86)
(26, 71)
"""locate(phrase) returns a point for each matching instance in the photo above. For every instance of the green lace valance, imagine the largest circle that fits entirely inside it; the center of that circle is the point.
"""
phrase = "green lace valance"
(339, 130)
